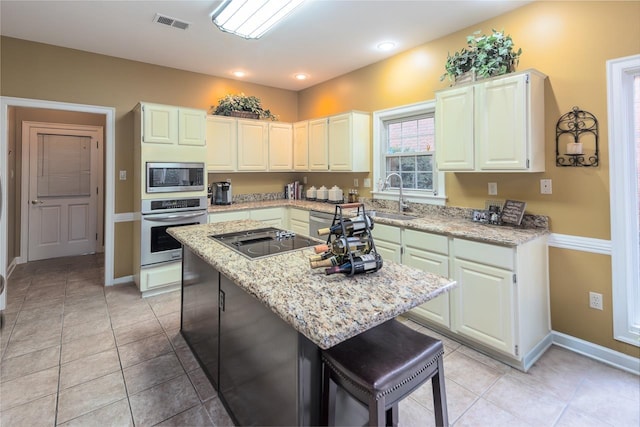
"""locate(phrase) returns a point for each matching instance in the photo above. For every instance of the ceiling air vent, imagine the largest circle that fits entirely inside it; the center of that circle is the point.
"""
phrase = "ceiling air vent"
(171, 22)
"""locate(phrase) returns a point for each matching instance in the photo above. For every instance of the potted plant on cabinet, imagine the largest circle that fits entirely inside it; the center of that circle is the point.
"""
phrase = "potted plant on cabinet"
(485, 56)
(241, 105)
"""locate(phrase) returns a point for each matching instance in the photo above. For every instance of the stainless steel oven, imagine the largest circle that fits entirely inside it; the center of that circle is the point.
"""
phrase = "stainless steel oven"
(157, 245)
(164, 177)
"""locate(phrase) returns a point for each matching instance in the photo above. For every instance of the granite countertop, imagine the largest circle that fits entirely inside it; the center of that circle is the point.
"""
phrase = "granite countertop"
(450, 222)
(327, 309)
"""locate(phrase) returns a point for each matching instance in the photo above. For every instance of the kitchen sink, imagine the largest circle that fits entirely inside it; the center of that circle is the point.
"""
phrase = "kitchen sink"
(390, 215)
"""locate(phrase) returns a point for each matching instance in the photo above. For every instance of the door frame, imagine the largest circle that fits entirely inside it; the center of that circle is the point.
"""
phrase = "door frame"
(27, 127)
(109, 172)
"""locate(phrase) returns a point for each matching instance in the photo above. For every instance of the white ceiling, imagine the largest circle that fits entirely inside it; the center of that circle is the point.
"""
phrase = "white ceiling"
(322, 38)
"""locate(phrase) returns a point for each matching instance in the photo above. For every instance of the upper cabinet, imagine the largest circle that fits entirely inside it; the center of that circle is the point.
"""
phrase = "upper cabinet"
(301, 146)
(319, 145)
(280, 146)
(492, 126)
(165, 124)
(222, 134)
(349, 142)
(253, 145)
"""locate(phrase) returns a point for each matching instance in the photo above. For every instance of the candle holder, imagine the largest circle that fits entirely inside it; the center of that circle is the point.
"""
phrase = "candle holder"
(577, 124)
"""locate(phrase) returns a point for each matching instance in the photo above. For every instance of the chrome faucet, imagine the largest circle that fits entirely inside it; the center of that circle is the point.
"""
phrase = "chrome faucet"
(401, 204)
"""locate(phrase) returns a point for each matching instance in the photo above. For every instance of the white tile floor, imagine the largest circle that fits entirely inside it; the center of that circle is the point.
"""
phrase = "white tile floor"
(75, 353)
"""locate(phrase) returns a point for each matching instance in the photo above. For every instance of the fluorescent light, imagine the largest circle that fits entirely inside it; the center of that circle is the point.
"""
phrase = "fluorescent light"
(252, 18)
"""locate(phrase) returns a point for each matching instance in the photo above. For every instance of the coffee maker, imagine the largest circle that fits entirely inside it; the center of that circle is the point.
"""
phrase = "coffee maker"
(222, 193)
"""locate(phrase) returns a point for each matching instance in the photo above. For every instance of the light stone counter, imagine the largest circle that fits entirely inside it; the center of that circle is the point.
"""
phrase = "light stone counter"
(325, 309)
(450, 222)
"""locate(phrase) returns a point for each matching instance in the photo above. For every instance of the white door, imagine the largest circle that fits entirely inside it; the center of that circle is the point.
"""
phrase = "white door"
(62, 190)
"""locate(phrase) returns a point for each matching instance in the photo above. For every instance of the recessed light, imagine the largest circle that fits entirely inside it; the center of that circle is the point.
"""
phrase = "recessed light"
(239, 73)
(386, 46)
(301, 76)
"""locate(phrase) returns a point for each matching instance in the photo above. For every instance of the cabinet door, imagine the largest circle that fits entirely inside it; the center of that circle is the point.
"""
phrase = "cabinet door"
(454, 129)
(253, 145)
(191, 126)
(160, 124)
(420, 251)
(299, 221)
(280, 146)
(222, 134)
(483, 305)
(501, 124)
(301, 146)
(388, 241)
(318, 145)
(340, 143)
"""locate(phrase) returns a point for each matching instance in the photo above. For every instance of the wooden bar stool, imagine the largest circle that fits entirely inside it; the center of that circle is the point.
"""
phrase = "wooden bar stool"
(379, 368)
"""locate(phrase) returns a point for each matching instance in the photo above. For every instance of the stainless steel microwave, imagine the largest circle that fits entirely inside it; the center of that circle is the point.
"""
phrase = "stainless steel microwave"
(164, 177)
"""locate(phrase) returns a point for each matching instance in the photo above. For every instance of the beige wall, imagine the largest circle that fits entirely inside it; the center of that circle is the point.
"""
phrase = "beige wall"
(570, 42)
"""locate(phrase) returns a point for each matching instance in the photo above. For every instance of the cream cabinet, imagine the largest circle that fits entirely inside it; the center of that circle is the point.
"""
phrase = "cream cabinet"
(496, 125)
(280, 146)
(222, 135)
(319, 144)
(299, 221)
(301, 146)
(349, 142)
(166, 124)
(388, 241)
(253, 145)
(430, 253)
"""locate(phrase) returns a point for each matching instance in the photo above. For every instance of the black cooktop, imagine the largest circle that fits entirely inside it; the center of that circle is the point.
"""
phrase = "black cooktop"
(264, 242)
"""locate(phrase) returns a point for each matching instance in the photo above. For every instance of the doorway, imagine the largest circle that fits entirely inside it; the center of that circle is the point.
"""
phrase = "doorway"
(62, 189)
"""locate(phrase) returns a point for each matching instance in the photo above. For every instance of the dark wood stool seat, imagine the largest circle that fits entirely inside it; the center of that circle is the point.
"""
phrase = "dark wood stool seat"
(382, 366)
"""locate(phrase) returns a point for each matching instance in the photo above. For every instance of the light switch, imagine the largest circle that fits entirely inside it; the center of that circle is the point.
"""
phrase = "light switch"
(367, 183)
(493, 188)
(123, 175)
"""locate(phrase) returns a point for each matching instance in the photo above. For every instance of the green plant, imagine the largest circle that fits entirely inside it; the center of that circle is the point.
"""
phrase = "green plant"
(241, 102)
(486, 55)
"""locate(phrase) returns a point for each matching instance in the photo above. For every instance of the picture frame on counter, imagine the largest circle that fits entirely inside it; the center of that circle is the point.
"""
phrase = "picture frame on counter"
(513, 211)
(480, 215)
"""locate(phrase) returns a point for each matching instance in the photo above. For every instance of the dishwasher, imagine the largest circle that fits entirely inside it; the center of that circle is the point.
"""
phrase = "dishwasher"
(318, 220)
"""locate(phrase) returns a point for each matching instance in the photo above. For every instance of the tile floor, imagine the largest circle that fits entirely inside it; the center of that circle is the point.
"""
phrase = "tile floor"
(75, 353)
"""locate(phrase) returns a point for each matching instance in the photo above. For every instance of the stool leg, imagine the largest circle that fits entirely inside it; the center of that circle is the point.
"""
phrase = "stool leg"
(392, 415)
(376, 412)
(440, 396)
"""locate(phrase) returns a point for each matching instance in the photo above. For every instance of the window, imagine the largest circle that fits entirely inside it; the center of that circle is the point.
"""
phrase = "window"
(410, 143)
(404, 144)
(623, 92)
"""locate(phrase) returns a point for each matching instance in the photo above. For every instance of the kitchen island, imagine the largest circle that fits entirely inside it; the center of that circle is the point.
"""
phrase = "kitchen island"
(268, 318)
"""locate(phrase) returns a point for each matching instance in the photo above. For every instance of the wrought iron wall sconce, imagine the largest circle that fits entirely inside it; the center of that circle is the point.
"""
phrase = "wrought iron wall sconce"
(579, 129)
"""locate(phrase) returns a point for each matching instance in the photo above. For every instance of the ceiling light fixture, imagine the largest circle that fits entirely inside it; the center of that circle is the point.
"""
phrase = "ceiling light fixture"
(301, 76)
(385, 46)
(239, 73)
(251, 18)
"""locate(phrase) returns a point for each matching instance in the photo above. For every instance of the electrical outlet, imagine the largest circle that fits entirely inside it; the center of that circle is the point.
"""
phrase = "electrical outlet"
(304, 180)
(545, 186)
(355, 182)
(595, 300)
(493, 188)
(367, 183)
(123, 175)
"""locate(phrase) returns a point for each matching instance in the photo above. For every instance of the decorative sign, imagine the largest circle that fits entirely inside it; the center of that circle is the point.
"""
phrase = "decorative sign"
(513, 211)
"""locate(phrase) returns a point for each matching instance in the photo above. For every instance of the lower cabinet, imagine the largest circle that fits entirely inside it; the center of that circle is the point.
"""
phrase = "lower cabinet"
(299, 221)
(159, 278)
(501, 303)
(429, 252)
(275, 217)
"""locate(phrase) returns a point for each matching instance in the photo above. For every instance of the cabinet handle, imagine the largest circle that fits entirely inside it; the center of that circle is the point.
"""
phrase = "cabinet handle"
(221, 300)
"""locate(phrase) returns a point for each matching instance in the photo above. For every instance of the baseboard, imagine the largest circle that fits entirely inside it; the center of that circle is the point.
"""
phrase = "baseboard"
(597, 352)
(122, 280)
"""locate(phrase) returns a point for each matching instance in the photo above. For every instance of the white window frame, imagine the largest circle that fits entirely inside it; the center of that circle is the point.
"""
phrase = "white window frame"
(623, 182)
(410, 195)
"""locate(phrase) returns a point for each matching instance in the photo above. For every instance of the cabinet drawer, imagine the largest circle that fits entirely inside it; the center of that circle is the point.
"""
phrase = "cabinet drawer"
(426, 241)
(156, 277)
(484, 253)
(386, 232)
(299, 215)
